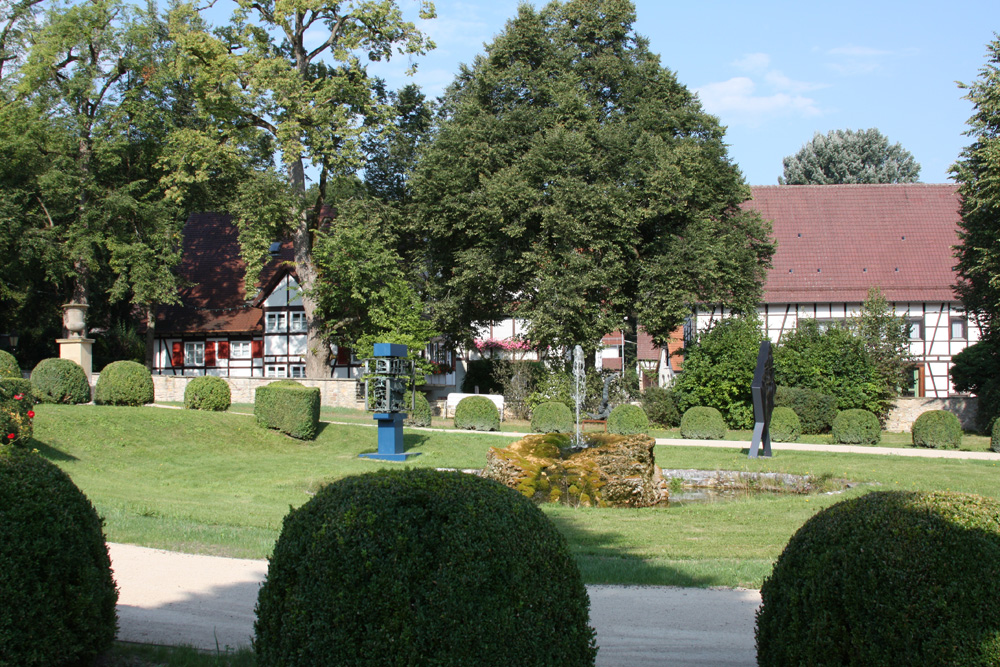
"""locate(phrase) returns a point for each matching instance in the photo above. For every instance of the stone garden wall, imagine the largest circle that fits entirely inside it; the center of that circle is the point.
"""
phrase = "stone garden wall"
(338, 393)
(906, 410)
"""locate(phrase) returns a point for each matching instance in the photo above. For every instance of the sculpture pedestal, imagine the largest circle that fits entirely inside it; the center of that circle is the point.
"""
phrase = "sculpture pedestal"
(80, 350)
(390, 438)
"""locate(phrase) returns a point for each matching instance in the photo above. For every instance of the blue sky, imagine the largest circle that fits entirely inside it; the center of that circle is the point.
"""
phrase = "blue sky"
(776, 72)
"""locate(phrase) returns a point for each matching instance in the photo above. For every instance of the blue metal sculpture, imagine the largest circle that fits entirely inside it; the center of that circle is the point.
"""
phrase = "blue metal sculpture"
(387, 376)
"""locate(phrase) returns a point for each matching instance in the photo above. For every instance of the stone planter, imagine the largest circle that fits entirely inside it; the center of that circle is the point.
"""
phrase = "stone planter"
(75, 319)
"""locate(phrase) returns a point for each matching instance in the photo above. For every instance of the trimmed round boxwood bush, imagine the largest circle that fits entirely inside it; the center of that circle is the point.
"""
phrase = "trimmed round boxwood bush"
(856, 427)
(57, 380)
(890, 578)
(995, 436)
(552, 417)
(420, 414)
(55, 575)
(627, 419)
(208, 392)
(124, 383)
(8, 365)
(477, 413)
(703, 423)
(785, 425)
(421, 567)
(816, 410)
(939, 429)
(660, 407)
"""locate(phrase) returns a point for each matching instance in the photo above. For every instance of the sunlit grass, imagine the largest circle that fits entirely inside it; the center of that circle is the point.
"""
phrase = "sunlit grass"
(215, 483)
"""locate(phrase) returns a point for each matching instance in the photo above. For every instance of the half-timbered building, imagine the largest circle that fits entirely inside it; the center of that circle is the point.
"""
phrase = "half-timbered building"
(221, 329)
(834, 242)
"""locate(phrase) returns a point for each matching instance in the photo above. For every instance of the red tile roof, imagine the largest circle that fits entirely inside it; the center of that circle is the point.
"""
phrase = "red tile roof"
(836, 241)
(216, 300)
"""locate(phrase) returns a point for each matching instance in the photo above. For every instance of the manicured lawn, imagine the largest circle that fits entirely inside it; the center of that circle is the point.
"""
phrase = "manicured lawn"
(217, 484)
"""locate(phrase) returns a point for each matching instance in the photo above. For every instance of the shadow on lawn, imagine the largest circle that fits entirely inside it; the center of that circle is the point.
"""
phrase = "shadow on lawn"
(601, 562)
(51, 453)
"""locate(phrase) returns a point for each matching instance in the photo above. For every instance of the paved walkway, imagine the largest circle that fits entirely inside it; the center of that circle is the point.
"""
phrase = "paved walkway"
(208, 602)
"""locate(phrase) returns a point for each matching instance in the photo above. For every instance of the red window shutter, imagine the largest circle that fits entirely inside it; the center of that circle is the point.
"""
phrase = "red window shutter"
(223, 349)
(177, 354)
(256, 349)
(343, 356)
(210, 354)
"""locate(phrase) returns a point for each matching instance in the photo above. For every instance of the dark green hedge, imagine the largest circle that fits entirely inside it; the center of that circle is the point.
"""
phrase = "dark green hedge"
(477, 413)
(208, 393)
(8, 365)
(627, 419)
(482, 373)
(703, 423)
(856, 427)
(891, 578)
(660, 406)
(288, 406)
(421, 567)
(785, 425)
(420, 415)
(815, 409)
(552, 417)
(124, 383)
(937, 429)
(57, 380)
(58, 596)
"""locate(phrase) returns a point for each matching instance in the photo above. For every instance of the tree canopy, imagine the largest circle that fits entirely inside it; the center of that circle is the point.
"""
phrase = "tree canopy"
(572, 181)
(258, 80)
(845, 156)
(978, 174)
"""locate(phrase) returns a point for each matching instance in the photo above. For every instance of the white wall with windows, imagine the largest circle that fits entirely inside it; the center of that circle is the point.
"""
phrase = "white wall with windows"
(938, 331)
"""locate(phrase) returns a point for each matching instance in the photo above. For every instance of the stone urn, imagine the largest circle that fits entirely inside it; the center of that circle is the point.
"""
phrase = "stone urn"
(75, 319)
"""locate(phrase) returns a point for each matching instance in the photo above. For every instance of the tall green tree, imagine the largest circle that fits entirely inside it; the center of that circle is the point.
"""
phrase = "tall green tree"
(886, 337)
(719, 368)
(978, 174)
(84, 129)
(845, 156)
(259, 79)
(572, 182)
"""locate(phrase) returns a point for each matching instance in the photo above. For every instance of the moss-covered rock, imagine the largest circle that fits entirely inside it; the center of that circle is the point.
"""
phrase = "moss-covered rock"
(614, 470)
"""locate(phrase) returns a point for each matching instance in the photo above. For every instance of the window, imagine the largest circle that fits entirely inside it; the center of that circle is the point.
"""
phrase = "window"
(823, 325)
(297, 321)
(958, 328)
(916, 328)
(276, 372)
(274, 323)
(194, 354)
(240, 349)
(298, 371)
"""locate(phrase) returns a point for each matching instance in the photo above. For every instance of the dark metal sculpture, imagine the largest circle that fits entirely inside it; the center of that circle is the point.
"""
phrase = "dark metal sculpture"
(387, 376)
(605, 408)
(762, 390)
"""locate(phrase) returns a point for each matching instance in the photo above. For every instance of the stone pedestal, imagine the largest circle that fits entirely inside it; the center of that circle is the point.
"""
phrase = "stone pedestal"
(80, 350)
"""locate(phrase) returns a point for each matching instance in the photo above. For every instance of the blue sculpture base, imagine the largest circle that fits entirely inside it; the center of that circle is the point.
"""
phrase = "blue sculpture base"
(390, 438)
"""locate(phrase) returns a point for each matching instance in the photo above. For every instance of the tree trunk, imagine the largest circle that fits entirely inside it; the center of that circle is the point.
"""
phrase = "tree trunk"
(150, 334)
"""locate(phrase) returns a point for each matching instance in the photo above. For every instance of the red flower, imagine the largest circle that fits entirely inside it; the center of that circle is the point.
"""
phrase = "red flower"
(18, 397)
(31, 414)
(10, 436)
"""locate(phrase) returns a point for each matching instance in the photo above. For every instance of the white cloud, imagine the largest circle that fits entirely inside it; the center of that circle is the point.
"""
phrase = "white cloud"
(737, 101)
(853, 51)
(753, 62)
